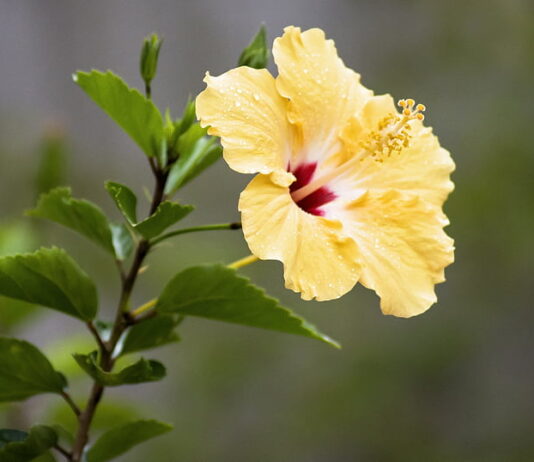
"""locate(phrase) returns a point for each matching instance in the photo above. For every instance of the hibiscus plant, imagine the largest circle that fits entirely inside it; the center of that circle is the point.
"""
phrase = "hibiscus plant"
(348, 189)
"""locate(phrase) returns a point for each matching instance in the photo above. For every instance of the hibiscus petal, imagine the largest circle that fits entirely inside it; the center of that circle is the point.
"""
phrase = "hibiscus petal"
(323, 93)
(423, 167)
(404, 249)
(319, 260)
(243, 107)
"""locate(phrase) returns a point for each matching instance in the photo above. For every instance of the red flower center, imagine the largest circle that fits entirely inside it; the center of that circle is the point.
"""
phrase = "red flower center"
(313, 202)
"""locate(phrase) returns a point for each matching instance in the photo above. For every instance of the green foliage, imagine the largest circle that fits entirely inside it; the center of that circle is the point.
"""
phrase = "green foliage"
(123, 243)
(49, 277)
(148, 64)
(137, 115)
(218, 292)
(125, 200)
(17, 446)
(188, 118)
(121, 439)
(77, 214)
(150, 333)
(174, 130)
(197, 152)
(256, 54)
(167, 214)
(162, 155)
(139, 372)
(25, 371)
(179, 150)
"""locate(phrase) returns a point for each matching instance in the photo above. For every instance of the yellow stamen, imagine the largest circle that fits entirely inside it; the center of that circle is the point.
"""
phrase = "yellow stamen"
(392, 135)
(243, 262)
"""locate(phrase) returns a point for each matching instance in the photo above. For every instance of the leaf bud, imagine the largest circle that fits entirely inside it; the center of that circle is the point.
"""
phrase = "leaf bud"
(256, 54)
(149, 57)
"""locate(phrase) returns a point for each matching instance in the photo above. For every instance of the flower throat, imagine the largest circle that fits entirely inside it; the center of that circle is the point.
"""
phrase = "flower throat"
(391, 137)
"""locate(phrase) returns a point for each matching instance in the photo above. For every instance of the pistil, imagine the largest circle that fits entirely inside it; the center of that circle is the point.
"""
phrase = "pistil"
(392, 135)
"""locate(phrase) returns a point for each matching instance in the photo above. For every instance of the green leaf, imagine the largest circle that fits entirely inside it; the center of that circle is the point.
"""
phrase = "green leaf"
(121, 439)
(196, 154)
(188, 117)
(137, 115)
(167, 214)
(256, 54)
(175, 130)
(139, 372)
(77, 214)
(17, 446)
(162, 154)
(49, 277)
(25, 371)
(123, 243)
(151, 333)
(218, 292)
(125, 200)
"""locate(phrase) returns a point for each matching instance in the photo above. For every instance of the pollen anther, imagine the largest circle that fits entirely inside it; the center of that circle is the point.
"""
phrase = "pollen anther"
(392, 133)
(391, 136)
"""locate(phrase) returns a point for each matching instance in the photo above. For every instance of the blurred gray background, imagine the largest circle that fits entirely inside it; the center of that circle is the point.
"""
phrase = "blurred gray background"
(455, 384)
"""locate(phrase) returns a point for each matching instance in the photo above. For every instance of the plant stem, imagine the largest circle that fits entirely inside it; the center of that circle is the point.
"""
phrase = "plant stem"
(96, 335)
(71, 403)
(222, 226)
(133, 321)
(195, 229)
(145, 307)
(243, 262)
(120, 324)
(62, 451)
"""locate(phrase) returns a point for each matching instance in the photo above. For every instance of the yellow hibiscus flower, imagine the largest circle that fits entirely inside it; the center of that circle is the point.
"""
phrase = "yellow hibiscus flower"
(348, 189)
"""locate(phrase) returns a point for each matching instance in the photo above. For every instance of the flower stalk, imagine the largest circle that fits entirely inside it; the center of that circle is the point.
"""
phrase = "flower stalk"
(243, 262)
(196, 229)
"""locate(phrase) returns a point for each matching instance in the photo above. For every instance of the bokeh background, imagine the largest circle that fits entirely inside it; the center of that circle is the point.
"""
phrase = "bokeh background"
(455, 384)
